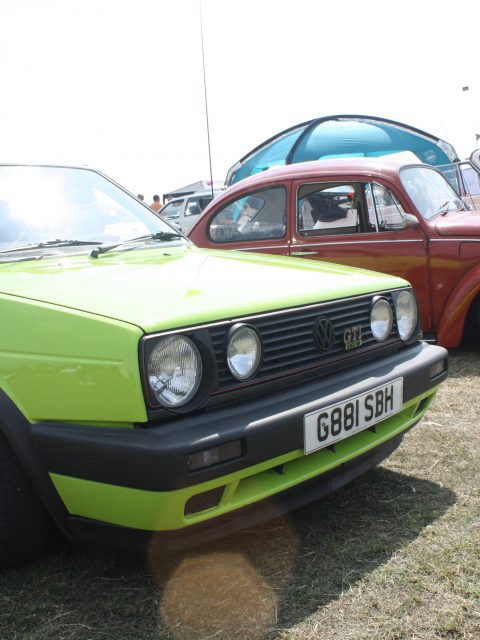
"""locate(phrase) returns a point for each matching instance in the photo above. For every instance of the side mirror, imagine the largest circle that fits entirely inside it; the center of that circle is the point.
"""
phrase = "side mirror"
(409, 221)
(475, 158)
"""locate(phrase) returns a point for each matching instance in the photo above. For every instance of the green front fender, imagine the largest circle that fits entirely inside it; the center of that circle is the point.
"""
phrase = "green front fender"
(59, 364)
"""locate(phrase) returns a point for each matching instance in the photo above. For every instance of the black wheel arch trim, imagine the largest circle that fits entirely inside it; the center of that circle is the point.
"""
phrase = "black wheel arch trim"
(17, 431)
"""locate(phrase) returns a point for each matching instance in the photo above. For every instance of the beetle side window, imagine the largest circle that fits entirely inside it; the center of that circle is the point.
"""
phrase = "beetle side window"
(328, 208)
(257, 216)
(334, 208)
(384, 211)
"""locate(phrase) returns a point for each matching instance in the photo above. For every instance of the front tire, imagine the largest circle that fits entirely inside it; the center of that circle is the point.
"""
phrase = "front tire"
(24, 522)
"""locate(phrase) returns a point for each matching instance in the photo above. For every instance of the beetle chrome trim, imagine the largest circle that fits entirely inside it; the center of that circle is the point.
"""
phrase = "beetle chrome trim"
(315, 244)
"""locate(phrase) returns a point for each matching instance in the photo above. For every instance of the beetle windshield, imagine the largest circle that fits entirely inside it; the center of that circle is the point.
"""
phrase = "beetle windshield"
(430, 192)
(69, 207)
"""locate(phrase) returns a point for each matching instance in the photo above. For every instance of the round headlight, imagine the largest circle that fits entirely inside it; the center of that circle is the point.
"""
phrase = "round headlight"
(407, 314)
(381, 319)
(243, 352)
(174, 370)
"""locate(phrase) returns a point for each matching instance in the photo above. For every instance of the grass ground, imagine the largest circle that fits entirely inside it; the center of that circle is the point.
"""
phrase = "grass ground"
(393, 556)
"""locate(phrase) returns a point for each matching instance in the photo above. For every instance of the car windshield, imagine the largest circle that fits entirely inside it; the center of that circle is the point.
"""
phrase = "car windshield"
(430, 192)
(63, 207)
(172, 209)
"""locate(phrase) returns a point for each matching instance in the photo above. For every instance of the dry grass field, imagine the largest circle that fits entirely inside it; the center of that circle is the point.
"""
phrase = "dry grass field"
(393, 556)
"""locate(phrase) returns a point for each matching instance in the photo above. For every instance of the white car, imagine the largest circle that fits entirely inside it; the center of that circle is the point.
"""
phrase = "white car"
(185, 210)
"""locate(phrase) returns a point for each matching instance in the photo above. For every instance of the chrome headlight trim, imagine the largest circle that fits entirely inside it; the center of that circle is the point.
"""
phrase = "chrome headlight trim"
(174, 370)
(381, 318)
(406, 311)
(244, 351)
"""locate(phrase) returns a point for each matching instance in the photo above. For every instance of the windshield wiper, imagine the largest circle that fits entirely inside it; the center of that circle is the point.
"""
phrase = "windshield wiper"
(5, 259)
(443, 208)
(161, 236)
(52, 243)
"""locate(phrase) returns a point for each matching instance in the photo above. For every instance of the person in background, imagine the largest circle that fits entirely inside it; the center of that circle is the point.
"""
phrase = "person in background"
(156, 204)
(141, 197)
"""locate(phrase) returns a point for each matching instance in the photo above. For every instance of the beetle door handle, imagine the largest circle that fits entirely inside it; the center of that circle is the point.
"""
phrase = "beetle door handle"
(303, 253)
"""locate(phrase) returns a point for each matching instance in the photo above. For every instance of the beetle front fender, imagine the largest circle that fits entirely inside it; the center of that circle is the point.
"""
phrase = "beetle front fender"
(452, 321)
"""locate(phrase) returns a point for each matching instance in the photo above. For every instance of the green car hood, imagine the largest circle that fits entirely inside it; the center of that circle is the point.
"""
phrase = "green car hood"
(164, 288)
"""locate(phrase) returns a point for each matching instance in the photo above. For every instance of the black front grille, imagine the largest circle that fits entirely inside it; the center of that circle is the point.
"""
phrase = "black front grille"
(288, 338)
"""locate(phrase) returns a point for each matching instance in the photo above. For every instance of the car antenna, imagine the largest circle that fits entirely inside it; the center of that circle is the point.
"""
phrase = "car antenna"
(205, 94)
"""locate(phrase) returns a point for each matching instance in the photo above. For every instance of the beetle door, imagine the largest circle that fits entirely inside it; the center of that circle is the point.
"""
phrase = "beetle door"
(361, 224)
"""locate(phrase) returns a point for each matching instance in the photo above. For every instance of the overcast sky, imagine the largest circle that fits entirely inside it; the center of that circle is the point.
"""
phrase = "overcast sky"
(118, 84)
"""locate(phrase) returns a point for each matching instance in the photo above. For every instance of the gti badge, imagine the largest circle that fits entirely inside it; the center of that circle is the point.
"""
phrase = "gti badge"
(352, 337)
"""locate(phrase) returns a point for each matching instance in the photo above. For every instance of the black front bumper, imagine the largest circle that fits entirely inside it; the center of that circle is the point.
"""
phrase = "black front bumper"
(155, 458)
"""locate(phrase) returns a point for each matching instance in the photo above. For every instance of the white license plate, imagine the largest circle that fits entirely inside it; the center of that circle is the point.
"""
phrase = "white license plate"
(326, 426)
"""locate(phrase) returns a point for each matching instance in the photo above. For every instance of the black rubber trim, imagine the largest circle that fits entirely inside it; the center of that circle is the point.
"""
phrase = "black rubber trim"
(155, 458)
(17, 431)
(92, 532)
(209, 379)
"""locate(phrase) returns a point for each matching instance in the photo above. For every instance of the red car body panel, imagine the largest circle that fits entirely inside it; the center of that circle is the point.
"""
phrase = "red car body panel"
(440, 257)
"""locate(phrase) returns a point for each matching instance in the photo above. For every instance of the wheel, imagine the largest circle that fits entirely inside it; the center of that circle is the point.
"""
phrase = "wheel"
(472, 323)
(24, 522)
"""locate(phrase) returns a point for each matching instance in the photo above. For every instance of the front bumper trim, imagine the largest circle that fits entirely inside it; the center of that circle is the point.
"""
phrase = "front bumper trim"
(95, 533)
(166, 510)
(155, 458)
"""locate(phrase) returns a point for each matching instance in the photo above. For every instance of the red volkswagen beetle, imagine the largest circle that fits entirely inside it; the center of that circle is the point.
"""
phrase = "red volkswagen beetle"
(383, 214)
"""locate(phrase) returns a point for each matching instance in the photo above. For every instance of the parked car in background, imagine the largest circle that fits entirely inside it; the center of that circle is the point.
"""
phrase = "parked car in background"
(386, 214)
(158, 393)
(464, 177)
(185, 210)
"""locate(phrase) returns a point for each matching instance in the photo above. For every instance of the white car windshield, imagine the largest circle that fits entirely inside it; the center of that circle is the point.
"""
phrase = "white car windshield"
(62, 206)
(430, 192)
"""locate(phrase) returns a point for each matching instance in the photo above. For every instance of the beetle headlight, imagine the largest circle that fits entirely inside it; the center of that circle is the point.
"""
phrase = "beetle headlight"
(243, 351)
(407, 314)
(174, 370)
(381, 319)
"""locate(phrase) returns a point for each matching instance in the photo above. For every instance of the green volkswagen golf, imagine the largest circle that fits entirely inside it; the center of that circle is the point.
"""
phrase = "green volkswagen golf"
(153, 390)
